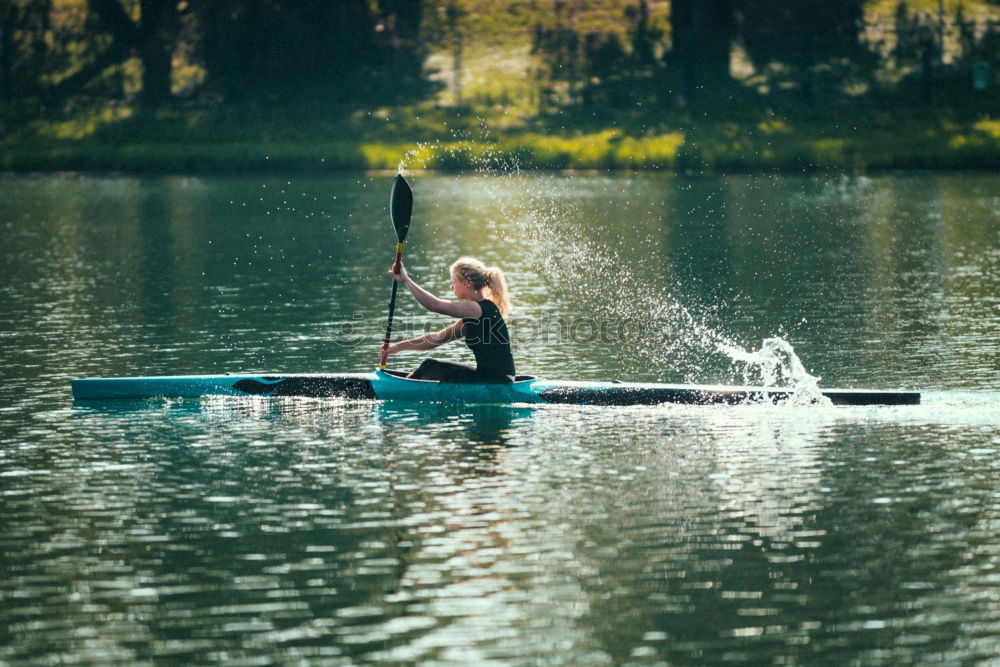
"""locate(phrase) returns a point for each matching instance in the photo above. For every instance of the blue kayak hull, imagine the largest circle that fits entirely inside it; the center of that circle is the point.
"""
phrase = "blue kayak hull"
(390, 387)
(394, 386)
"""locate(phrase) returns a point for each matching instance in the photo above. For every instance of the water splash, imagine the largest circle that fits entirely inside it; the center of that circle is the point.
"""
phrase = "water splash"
(666, 335)
(675, 338)
(776, 364)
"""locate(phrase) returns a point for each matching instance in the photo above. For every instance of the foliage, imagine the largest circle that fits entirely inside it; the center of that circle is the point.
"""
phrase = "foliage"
(817, 39)
(614, 53)
(272, 52)
(267, 51)
(247, 139)
(558, 84)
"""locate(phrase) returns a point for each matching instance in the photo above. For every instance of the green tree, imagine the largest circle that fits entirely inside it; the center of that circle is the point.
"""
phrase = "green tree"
(268, 51)
(27, 57)
(617, 76)
(642, 36)
(805, 35)
(117, 36)
(703, 32)
(916, 47)
(8, 20)
(557, 45)
(20, 38)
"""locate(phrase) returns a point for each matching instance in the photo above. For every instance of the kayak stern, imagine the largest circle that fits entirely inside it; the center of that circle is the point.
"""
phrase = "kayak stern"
(344, 385)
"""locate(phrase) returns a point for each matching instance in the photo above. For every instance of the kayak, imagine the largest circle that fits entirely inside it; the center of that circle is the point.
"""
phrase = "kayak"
(391, 385)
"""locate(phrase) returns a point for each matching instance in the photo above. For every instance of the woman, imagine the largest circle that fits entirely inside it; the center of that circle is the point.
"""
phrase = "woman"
(482, 305)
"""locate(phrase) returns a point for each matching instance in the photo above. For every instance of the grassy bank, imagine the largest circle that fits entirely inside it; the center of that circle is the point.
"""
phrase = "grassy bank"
(223, 141)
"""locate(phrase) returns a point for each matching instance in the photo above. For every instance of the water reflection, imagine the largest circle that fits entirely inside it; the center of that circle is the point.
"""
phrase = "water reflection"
(481, 427)
(699, 240)
(262, 530)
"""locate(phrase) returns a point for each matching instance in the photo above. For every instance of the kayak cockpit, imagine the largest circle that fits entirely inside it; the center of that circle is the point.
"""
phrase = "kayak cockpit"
(395, 386)
(405, 375)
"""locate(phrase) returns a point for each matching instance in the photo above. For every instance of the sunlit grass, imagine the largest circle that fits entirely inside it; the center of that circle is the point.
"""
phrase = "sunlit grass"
(83, 125)
(427, 136)
(990, 128)
(491, 76)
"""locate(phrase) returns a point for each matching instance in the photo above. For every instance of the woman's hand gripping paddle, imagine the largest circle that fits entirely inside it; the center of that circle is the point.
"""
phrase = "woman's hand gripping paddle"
(400, 208)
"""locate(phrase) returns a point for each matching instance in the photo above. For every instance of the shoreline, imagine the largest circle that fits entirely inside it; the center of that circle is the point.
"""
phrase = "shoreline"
(478, 172)
(149, 163)
(162, 147)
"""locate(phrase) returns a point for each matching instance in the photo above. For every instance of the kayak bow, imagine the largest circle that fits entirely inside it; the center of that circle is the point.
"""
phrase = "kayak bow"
(389, 385)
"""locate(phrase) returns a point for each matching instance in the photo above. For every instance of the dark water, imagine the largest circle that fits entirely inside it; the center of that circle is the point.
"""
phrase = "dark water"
(282, 530)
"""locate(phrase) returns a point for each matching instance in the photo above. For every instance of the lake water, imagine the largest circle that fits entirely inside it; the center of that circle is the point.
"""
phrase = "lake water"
(256, 531)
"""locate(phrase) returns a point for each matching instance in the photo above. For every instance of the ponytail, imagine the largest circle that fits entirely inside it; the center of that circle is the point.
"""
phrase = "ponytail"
(481, 276)
(497, 285)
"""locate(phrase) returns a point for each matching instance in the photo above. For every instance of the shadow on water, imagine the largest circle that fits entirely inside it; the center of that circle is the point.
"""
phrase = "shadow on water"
(478, 425)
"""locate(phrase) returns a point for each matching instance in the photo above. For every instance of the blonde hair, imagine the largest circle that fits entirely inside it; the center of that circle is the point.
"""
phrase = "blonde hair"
(484, 277)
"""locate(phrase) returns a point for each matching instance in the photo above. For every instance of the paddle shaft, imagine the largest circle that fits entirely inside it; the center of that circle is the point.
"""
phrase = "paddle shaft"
(392, 307)
(400, 209)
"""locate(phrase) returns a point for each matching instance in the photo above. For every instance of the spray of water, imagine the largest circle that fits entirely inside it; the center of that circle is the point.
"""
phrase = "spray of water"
(775, 364)
(671, 338)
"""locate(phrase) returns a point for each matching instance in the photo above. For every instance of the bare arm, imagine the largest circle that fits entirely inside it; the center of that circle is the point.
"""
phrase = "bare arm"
(436, 304)
(429, 341)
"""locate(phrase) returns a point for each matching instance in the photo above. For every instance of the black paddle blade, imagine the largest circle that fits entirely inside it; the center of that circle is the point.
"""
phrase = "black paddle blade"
(400, 206)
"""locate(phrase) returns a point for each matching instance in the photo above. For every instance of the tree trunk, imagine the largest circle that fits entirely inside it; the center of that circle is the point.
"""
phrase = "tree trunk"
(153, 39)
(8, 20)
(702, 33)
(807, 61)
(403, 20)
(113, 55)
(112, 19)
(158, 36)
(927, 72)
(453, 14)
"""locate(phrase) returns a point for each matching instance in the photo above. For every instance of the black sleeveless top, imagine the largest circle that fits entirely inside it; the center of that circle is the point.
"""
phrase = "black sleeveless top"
(489, 340)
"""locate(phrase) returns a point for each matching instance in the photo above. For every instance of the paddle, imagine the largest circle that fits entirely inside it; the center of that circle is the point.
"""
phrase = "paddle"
(400, 207)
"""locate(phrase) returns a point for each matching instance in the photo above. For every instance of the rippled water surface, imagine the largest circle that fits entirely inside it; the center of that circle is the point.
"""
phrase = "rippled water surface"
(254, 531)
